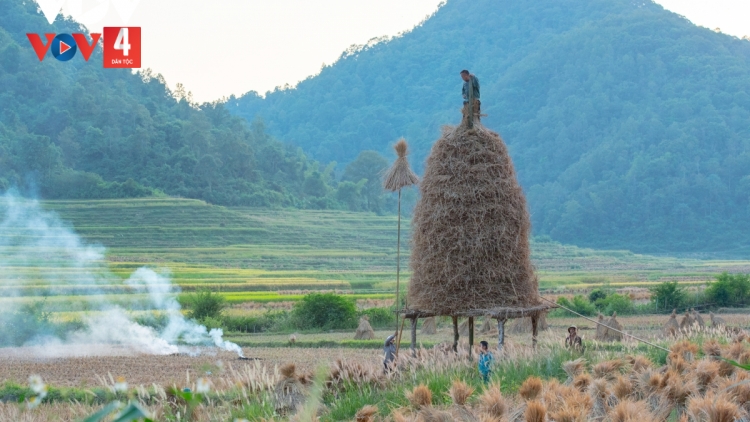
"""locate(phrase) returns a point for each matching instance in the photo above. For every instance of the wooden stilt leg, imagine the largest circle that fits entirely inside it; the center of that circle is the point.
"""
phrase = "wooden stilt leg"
(414, 337)
(500, 334)
(533, 331)
(471, 336)
(455, 334)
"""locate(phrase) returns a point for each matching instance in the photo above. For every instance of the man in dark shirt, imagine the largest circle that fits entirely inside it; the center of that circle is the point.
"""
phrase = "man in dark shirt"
(389, 350)
(468, 77)
(572, 341)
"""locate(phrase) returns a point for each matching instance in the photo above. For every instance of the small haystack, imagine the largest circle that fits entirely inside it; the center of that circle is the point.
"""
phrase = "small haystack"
(687, 321)
(470, 230)
(523, 325)
(697, 318)
(489, 326)
(429, 326)
(288, 394)
(671, 327)
(601, 329)
(463, 328)
(613, 335)
(717, 321)
(364, 330)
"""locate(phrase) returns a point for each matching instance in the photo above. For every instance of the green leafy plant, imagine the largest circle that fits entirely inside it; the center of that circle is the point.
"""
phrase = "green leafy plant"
(668, 295)
(324, 311)
(205, 304)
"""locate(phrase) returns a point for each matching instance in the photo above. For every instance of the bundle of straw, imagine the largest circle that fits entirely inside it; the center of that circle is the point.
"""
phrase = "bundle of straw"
(400, 174)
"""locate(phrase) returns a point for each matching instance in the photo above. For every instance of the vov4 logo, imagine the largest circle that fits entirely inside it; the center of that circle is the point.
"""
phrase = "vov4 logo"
(63, 46)
(122, 46)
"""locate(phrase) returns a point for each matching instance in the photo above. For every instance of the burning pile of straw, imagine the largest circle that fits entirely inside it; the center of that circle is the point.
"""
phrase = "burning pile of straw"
(364, 330)
(470, 230)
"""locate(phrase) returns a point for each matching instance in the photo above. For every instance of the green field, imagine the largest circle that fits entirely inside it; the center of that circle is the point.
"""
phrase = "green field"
(262, 255)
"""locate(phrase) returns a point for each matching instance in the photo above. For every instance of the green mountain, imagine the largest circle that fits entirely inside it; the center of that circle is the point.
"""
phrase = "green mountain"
(76, 130)
(629, 126)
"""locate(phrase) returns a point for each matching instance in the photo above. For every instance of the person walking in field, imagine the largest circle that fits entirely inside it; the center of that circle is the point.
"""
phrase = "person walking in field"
(485, 361)
(389, 350)
(470, 79)
(572, 341)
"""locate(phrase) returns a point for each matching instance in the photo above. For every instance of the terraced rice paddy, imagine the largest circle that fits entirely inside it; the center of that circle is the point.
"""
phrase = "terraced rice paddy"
(275, 256)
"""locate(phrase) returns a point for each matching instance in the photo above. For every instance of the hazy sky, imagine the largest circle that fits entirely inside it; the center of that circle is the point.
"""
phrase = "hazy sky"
(221, 47)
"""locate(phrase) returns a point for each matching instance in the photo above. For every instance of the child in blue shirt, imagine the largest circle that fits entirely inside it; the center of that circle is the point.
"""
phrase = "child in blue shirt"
(485, 361)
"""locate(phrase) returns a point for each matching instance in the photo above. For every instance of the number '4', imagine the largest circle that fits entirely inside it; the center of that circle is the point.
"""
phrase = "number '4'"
(122, 43)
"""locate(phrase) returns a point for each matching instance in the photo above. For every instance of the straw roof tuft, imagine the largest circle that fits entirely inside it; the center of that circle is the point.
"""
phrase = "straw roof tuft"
(400, 174)
(470, 230)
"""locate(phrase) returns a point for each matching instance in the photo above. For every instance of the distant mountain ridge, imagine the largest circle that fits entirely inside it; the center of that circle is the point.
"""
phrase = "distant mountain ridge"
(629, 126)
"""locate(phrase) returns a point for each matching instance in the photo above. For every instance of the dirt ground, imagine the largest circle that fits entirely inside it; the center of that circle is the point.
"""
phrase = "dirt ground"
(17, 364)
(92, 366)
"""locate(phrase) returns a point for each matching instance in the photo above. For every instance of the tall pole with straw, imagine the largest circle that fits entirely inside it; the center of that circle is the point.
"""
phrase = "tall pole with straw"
(398, 177)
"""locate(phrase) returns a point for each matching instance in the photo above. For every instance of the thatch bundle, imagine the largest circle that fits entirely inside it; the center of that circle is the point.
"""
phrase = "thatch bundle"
(429, 326)
(463, 328)
(400, 174)
(717, 321)
(523, 325)
(364, 330)
(687, 321)
(671, 327)
(613, 335)
(470, 230)
(601, 329)
(697, 318)
(288, 394)
(488, 326)
(604, 330)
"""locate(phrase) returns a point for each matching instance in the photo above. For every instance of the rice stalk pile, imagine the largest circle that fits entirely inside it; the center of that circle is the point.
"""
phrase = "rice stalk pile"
(470, 230)
(488, 326)
(523, 325)
(289, 392)
(364, 330)
(687, 321)
(429, 326)
(672, 327)
(631, 389)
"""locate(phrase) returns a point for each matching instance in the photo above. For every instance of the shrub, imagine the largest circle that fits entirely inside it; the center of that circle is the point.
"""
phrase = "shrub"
(324, 311)
(579, 304)
(668, 295)
(616, 303)
(205, 304)
(729, 289)
(380, 317)
(597, 294)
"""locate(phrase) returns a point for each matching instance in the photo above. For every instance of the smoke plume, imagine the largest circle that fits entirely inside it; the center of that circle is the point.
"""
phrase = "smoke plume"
(45, 266)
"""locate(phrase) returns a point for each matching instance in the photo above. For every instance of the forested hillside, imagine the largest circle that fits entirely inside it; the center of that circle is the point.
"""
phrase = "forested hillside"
(76, 130)
(629, 126)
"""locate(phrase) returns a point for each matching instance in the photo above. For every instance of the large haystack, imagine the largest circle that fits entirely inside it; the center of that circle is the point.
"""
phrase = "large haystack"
(364, 330)
(470, 230)
(523, 325)
(672, 327)
(429, 326)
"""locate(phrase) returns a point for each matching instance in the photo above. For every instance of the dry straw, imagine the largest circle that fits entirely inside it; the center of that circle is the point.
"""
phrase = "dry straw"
(364, 330)
(470, 230)
(400, 174)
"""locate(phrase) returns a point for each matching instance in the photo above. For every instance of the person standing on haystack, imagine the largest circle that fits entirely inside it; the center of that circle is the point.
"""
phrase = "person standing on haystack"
(468, 77)
(390, 353)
